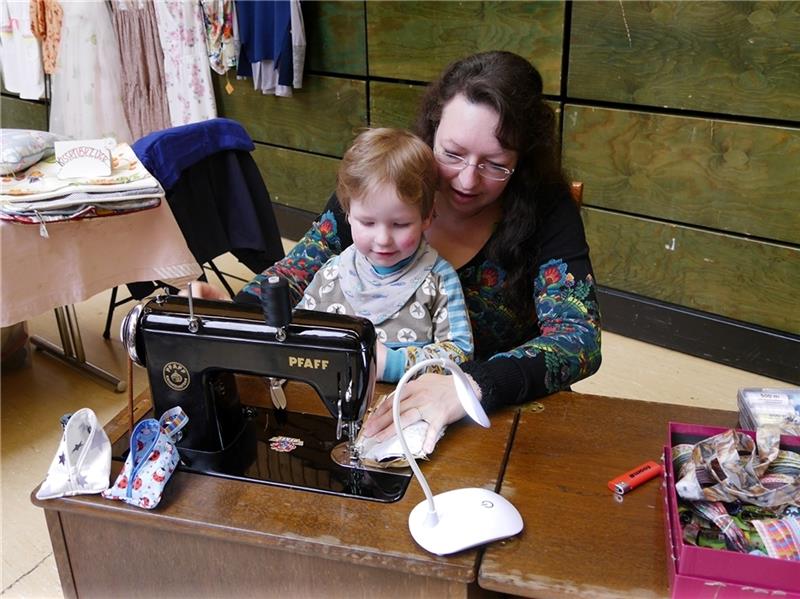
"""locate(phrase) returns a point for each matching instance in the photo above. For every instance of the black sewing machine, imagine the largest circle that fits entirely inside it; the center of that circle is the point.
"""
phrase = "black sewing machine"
(192, 349)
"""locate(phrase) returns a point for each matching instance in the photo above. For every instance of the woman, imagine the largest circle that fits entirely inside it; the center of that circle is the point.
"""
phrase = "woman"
(505, 220)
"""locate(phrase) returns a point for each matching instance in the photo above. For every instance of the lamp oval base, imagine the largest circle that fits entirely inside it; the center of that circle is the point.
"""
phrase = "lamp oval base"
(467, 518)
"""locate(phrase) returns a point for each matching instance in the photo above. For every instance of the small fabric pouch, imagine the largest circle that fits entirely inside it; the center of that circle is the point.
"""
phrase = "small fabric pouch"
(82, 463)
(151, 461)
(389, 453)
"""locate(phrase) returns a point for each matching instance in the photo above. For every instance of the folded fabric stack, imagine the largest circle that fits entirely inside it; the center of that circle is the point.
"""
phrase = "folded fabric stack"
(36, 195)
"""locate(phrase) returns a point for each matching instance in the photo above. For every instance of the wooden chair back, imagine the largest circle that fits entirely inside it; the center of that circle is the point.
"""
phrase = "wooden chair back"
(576, 191)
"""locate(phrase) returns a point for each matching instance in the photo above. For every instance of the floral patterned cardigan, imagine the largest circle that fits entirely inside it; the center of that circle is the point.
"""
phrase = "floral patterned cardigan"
(518, 356)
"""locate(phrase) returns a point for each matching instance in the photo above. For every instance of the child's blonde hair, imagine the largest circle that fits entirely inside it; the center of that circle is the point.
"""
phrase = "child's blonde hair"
(394, 156)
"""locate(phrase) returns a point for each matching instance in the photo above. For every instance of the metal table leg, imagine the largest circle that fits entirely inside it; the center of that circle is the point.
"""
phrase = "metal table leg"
(71, 351)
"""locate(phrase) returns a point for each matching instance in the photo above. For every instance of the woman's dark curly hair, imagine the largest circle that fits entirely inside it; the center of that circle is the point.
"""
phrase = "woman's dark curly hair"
(511, 86)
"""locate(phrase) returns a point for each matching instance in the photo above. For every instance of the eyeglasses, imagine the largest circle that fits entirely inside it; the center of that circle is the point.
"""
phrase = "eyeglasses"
(489, 171)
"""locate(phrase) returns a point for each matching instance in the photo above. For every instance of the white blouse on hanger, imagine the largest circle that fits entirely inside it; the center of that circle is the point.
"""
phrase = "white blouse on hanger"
(20, 53)
(86, 90)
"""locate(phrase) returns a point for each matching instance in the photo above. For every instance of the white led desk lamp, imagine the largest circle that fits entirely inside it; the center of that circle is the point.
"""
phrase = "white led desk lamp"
(462, 518)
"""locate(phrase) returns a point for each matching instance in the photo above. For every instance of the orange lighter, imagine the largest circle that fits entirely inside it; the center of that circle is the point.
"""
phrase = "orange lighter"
(632, 479)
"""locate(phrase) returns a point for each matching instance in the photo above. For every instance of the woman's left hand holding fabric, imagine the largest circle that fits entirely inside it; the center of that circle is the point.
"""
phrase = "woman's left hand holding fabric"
(430, 397)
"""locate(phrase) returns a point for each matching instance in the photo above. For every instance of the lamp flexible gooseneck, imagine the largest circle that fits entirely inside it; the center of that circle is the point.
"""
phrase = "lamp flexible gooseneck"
(465, 517)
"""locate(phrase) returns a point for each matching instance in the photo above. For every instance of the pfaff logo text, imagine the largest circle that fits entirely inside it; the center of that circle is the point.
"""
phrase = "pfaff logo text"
(315, 364)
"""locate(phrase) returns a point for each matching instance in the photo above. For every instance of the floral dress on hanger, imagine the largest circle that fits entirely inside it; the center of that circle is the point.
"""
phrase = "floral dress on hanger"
(182, 33)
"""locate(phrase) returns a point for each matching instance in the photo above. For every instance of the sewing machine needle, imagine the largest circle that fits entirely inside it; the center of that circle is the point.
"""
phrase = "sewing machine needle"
(276, 393)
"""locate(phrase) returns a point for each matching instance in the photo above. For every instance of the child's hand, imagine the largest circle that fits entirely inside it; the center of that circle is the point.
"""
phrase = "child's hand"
(203, 290)
(380, 354)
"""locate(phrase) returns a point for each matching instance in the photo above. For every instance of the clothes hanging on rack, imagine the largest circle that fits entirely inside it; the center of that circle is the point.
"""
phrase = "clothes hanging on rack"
(86, 91)
(144, 93)
(125, 68)
(20, 55)
(273, 44)
(181, 30)
(222, 39)
(298, 44)
(46, 18)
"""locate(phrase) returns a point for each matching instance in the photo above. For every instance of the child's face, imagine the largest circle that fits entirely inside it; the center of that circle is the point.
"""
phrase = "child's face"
(385, 229)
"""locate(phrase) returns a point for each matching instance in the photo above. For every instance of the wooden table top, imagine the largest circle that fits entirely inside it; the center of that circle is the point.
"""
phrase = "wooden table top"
(578, 540)
(345, 529)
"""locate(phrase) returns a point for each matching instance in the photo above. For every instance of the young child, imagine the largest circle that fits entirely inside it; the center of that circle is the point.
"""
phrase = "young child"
(390, 275)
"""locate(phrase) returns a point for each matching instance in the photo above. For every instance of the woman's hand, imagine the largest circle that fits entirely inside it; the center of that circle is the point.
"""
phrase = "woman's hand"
(431, 397)
(203, 290)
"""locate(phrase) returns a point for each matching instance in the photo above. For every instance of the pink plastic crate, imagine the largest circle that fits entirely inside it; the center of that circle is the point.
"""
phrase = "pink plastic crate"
(699, 572)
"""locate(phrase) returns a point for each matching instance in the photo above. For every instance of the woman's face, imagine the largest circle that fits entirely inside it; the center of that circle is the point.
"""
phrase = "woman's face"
(468, 130)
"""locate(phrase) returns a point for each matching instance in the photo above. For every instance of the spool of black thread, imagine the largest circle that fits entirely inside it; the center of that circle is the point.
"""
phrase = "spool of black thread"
(275, 301)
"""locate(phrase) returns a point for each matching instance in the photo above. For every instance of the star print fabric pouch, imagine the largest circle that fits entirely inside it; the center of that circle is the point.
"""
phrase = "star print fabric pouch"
(82, 463)
(389, 453)
(151, 460)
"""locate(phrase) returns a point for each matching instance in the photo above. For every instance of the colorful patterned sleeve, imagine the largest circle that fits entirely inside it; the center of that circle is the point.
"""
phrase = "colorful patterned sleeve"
(567, 348)
(311, 293)
(329, 235)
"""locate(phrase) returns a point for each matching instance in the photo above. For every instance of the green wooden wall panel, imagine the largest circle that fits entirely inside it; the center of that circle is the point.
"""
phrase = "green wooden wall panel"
(321, 117)
(722, 175)
(297, 179)
(22, 114)
(335, 36)
(415, 40)
(732, 57)
(746, 280)
(393, 104)
(699, 212)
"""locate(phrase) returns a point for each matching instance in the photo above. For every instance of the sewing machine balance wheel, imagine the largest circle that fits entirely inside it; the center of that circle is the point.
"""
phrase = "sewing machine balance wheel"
(127, 334)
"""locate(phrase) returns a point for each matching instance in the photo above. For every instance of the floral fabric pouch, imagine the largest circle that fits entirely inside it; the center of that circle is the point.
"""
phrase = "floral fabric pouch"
(151, 461)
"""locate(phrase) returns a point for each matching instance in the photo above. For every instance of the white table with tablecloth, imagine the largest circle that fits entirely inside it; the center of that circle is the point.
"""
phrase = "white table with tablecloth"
(80, 258)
